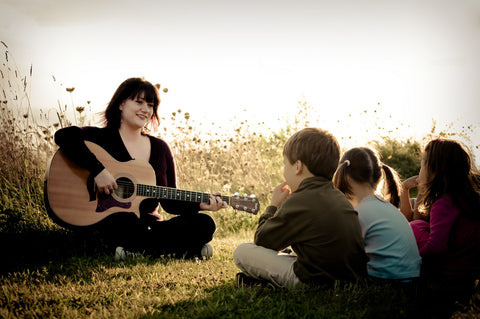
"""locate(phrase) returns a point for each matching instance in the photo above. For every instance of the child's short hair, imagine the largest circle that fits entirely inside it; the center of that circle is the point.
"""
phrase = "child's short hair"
(316, 148)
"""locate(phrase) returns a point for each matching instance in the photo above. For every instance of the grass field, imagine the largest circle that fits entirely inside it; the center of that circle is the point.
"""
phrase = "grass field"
(62, 275)
(52, 279)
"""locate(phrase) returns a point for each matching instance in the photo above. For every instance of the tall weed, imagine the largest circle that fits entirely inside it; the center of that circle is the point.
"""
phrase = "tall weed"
(24, 146)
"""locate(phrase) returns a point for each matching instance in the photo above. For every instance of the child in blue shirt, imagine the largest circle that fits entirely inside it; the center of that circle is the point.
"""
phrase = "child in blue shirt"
(389, 240)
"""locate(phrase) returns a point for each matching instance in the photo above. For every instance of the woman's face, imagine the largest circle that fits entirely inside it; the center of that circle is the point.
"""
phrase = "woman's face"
(136, 113)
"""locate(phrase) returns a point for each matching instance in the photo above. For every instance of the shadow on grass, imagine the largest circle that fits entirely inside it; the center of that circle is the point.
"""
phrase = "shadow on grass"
(35, 249)
(352, 301)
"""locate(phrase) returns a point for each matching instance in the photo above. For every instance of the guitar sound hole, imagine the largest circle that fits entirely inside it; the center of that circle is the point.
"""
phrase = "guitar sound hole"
(125, 188)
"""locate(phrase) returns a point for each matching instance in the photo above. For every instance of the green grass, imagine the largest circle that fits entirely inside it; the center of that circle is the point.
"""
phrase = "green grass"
(81, 283)
(60, 274)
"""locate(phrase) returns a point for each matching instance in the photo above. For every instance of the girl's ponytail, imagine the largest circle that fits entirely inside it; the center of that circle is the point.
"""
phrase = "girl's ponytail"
(392, 185)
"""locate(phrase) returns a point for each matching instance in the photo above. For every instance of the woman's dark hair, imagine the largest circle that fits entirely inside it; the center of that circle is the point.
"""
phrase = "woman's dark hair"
(450, 170)
(363, 165)
(130, 89)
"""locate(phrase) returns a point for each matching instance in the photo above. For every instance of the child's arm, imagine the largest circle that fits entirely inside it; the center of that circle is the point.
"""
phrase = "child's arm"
(405, 204)
(277, 227)
(442, 217)
(271, 230)
(280, 193)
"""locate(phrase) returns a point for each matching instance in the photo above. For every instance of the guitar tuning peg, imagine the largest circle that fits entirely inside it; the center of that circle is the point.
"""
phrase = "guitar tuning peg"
(244, 194)
(252, 196)
(236, 194)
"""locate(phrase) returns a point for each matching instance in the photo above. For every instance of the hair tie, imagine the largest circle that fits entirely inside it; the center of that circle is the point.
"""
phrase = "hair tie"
(346, 162)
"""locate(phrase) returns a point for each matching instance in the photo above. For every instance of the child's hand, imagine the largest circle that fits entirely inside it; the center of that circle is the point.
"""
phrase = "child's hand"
(280, 193)
(410, 182)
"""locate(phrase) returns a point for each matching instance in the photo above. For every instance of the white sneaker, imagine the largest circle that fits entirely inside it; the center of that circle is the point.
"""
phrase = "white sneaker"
(122, 254)
(206, 252)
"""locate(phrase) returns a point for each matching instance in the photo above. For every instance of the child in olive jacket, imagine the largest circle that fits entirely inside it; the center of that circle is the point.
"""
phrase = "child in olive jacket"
(309, 215)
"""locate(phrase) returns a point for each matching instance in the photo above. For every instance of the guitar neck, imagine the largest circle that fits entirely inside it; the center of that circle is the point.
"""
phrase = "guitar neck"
(162, 192)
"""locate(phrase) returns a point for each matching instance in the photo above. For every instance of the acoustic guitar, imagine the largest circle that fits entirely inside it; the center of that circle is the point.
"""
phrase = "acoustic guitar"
(72, 200)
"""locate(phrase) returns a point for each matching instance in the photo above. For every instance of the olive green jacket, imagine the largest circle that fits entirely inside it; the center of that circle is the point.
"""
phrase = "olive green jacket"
(321, 226)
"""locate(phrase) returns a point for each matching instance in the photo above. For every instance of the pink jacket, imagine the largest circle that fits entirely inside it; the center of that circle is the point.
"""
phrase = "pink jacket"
(450, 243)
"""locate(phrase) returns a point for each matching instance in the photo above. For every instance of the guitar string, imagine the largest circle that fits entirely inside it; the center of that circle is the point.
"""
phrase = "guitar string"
(129, 188)
(170, 193)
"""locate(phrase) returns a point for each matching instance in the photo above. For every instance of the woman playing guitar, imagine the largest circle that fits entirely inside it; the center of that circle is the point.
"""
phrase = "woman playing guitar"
(131, 111)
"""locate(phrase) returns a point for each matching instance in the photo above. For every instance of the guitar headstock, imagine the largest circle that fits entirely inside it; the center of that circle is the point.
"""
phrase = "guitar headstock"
(245, 203)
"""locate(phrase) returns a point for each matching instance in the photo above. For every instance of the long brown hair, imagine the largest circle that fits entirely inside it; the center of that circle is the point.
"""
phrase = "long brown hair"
(129, 89)
(363, 165)
(450, 170)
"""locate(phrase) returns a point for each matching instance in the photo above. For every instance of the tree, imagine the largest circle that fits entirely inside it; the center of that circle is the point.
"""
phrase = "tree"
(403, 156)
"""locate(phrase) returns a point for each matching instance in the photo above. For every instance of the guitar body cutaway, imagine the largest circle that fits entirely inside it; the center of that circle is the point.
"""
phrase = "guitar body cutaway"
(68, 192)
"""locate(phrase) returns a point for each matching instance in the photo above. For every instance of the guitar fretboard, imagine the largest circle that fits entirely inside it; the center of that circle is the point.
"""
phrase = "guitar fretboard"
(162, 192)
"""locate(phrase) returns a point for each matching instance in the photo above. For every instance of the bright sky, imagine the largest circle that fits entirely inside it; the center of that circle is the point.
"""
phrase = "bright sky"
(418, 58)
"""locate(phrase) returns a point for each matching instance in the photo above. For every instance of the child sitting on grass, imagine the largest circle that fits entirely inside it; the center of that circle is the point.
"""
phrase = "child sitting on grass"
(389, 240)
(447, 228)
(310, 215)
